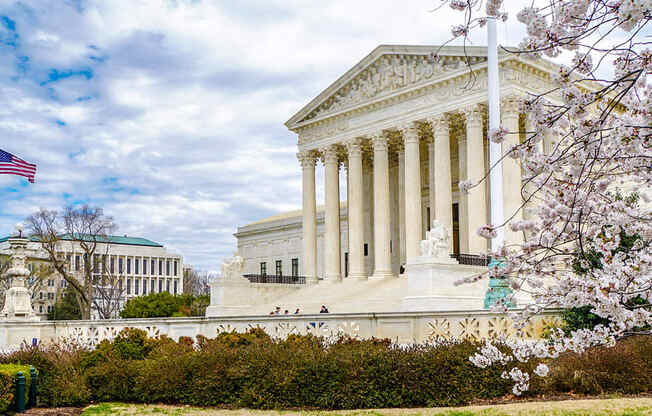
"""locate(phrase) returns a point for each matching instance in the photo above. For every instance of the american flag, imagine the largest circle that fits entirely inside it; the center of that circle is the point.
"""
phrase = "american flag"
(12, 165)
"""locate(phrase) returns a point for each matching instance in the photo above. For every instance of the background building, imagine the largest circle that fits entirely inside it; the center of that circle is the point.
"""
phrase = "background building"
(140, 267)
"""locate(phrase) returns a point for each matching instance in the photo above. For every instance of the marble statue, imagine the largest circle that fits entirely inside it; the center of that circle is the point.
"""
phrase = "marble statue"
(232, 267)
(437, 242)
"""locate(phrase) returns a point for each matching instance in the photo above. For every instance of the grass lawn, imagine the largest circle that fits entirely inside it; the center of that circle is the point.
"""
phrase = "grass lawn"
(607, 407)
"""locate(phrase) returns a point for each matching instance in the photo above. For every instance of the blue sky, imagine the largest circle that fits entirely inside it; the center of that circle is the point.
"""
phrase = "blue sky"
(169, 114)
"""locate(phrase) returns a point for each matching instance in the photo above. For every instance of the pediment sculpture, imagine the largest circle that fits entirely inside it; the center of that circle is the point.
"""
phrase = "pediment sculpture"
(389, 73)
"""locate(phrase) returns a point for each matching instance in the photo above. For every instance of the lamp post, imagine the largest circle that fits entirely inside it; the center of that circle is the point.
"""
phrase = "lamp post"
(18, 299)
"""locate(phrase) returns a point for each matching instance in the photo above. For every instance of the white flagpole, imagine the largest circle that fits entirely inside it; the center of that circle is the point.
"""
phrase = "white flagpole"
(495, 149)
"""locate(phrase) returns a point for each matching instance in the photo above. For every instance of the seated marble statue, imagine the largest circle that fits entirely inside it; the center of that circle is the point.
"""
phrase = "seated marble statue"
(437, 242)
(232, 267)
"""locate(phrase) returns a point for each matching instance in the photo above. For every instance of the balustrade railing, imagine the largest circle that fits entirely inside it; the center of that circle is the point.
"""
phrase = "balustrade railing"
(267, 278)
(471, 259)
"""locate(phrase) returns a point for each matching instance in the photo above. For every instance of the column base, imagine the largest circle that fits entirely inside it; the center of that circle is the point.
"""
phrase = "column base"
(358, 276)
(380, 275)
(332, 279)
(312, 280)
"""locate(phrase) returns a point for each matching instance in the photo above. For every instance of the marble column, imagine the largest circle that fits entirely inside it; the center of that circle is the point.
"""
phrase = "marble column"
(309, 253)
(356, 211)
(401, 204)
(511, 170)
(476, 199)
(382, 230)
(413, 223)
(332, 239)
(431, 181)
(443, 208)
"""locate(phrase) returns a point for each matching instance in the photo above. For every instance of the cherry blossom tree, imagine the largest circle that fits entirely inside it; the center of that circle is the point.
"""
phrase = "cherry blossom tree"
(590, 189)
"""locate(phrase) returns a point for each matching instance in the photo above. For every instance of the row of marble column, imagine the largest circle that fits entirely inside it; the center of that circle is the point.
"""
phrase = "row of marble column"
(472, 206)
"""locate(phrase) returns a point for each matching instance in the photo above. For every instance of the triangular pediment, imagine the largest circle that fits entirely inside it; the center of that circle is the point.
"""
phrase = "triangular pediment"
(386, 70)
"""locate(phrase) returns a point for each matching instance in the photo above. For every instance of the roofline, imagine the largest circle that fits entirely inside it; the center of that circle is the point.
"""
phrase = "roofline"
(371, 57)
(65, 238)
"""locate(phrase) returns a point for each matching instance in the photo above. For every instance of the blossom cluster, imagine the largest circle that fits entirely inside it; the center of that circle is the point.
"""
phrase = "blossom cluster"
(585, 224)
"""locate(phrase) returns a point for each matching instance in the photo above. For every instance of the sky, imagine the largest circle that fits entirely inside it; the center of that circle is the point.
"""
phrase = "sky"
(170, 114)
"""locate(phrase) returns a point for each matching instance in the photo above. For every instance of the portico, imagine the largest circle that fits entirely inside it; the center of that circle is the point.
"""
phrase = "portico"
(415, 127)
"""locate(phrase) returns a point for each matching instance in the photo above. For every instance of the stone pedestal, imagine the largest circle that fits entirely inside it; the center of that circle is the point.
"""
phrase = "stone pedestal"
(432, 277)
(431, 286)
(18, 300)
(227, 297)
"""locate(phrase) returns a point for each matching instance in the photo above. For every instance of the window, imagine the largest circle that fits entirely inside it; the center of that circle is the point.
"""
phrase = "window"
(50, 296)
(120, 265)
(128, 266)
(128, 286)
(112, 265)
(175, 267)
(153, 286)
(153, 268)
(366, 249)
(346, 264)
(50, 309)
(295, 267)
(176, 286)
(136, 286)
(160, 267)
(263, 269)
(279, 268)
(167, 268)
(429, 219)
(77, 264)
(51, 282)
(144, 266)
(144, 286)
(160, 286)
(136, 266)
(390, 246)
(167, 285)
(40, 295)
(40, 309)
(69, 262)
(96, 264)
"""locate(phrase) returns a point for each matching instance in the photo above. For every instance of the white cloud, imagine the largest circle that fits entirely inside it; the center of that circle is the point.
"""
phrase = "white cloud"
(179, 132)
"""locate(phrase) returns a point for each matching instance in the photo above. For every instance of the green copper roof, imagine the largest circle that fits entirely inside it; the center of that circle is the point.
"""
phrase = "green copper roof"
(111, 239)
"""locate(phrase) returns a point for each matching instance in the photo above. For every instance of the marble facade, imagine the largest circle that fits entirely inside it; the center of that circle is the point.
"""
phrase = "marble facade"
(399, 130)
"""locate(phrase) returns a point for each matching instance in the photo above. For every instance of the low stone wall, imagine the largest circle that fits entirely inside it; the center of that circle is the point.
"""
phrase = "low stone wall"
(402, 327)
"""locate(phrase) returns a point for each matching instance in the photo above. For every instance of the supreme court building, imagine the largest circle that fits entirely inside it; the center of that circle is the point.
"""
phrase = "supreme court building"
(400, 130)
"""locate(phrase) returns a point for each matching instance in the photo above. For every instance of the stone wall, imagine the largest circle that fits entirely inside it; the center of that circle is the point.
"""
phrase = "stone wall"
(400, 327)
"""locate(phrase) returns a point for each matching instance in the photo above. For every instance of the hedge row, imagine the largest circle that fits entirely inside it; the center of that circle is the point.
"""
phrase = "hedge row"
(8, 378)
(251, 370)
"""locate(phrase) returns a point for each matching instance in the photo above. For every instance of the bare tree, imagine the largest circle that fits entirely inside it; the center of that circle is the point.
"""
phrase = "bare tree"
(84, 229)
(195, 282)
(108, 291)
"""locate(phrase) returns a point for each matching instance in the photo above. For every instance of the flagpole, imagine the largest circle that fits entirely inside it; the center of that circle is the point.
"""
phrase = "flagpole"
(495, 149)
(498, 289)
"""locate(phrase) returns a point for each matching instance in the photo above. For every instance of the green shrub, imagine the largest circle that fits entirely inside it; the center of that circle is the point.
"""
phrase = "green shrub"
(62, 381)
(157, 305)
(623, 369)
(8, 378)
(255, 371)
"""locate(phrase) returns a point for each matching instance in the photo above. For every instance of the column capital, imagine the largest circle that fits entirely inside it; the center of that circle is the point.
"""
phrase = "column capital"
(510, 106)
(439, 124)
(409, 132)
(331, 155)
(307, 159)
(354, 147)
(473, 115)
(379, 141)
